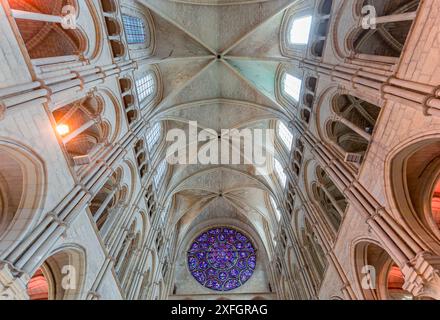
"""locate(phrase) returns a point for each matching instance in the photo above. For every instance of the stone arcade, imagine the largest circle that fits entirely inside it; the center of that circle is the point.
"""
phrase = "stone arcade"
(90, 208)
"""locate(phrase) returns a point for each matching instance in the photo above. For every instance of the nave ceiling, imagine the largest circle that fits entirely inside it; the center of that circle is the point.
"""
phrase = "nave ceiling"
(221, 72)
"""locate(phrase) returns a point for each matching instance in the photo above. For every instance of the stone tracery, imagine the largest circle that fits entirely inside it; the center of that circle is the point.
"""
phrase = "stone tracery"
(222, 259)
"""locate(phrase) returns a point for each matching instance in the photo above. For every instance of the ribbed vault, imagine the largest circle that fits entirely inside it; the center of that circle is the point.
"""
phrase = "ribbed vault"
(221, 71)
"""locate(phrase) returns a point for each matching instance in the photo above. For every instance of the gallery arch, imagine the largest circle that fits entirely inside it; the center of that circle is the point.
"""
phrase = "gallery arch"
(59, 277)
(147, 278)
(313, 251)
(81, 128)
(108, 203)
(128, 251)
(141, 157)
(415, 176)
(330, 199)
(128, 99)
(45, 39)
(322, 28)
(379, 276)
(21, 176)
(393, 23)
(351, 126)
(109, 6)
(295, 272)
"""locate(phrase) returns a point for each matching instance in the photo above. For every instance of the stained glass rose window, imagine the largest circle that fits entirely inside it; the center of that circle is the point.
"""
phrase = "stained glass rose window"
(222, 259)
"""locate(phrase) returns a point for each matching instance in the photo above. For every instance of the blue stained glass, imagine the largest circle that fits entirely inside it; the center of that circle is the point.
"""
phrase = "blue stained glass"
(241, 264)
(222, 259)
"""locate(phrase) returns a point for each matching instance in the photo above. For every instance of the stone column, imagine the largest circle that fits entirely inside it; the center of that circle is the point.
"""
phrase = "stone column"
(104, 205)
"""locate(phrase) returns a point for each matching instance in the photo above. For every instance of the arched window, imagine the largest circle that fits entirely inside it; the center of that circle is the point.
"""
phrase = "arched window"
(153, 136)
(160, 173)
(300, 30)
(292, 86)
(285, 135)
(275, 208)
(134, 29)
(145, 283)
(280, 172)
(145, 86)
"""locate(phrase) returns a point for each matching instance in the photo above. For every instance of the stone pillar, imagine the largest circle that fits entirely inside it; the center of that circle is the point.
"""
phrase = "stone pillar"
(27, 15)
(353, 127)
(104, 205)
(407, 16)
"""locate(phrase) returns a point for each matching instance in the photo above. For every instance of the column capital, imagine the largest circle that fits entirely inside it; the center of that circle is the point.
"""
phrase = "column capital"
(422, 275)
(59, 221)
(9, 268)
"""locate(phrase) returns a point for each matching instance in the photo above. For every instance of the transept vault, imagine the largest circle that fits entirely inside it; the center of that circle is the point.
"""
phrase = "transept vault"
(345, 207)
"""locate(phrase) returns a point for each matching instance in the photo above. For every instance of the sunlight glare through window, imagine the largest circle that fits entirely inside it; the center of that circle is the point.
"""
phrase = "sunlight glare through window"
(300, 30)
(292, 86)
(285, 135)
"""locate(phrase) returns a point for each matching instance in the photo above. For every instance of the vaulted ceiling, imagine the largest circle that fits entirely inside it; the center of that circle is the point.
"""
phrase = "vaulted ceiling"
(218, 61)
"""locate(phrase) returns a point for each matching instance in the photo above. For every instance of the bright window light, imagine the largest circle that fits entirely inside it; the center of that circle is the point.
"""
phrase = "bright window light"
(145, 86)
(275, 208)
(285, 135)
(280, 172)
(63, 129)
(300, 30)
(160, 173)
(292, 86)
(153, 136)
(134, 29)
